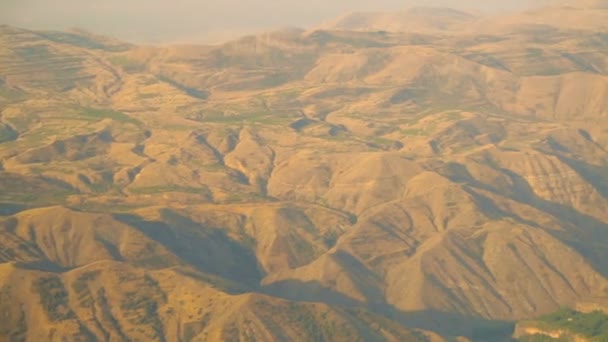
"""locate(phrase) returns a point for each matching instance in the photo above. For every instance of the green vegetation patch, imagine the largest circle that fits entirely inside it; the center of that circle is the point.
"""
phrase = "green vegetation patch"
(249, 197)
(169, 188)
(10, 95)
(81, 40)
(453, 115)
(413, 131)
(34, 51)
(61, 71)
(109, 207)
(542, 338)
(7, 133)
(33, 191)
(245, 119)
(101, 114)
(593, 325)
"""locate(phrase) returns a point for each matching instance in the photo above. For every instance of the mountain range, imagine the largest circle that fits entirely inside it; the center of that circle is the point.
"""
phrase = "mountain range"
(426, 175)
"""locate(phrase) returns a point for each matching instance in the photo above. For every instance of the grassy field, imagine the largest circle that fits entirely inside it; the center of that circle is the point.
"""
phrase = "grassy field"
(100, 114)
(592, 325)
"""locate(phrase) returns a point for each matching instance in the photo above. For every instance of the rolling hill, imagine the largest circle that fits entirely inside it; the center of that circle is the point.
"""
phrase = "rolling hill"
(395, 177)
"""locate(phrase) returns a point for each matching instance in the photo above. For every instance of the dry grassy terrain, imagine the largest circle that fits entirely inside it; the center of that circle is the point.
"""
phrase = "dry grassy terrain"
(413, 176)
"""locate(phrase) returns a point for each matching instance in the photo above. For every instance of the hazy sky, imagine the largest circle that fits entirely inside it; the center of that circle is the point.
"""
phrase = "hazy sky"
(196, 20)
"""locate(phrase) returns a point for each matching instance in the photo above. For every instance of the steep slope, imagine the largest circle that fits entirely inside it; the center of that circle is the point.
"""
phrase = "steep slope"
(108, 280)
(336, 184)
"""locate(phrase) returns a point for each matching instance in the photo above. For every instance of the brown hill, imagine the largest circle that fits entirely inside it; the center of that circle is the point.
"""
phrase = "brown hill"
(91, 276)
(331, 184)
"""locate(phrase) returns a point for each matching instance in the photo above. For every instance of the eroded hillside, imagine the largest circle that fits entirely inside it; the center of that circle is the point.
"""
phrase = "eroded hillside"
(331, 184)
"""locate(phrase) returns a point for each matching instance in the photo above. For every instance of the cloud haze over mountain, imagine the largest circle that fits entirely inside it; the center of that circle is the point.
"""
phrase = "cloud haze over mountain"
(191, 20)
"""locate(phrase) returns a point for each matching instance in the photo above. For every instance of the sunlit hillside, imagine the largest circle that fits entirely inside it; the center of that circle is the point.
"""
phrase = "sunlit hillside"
(413, 176)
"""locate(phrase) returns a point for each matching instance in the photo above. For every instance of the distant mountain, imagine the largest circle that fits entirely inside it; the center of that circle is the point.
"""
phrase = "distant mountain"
(588, 15)
(418, 19)
(348, 183)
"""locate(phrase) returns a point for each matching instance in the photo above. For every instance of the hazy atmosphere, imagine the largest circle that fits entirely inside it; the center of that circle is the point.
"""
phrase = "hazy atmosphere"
(156, 21)
(375, 170)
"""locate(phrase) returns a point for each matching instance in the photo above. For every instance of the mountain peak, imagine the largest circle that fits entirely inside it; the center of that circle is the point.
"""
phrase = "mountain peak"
(415, 19)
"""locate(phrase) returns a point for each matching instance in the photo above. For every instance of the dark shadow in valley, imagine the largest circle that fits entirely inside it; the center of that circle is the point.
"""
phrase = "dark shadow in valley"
(311, 291)
(110, 248)
(43, 266)
(586, 234)
(459, 174)
(446, 324)
(594, 175)
(208, 250)
(367, 283)
(193, 92)
(7, 133)
(491, 210)
(452, 325)
(9, 209)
